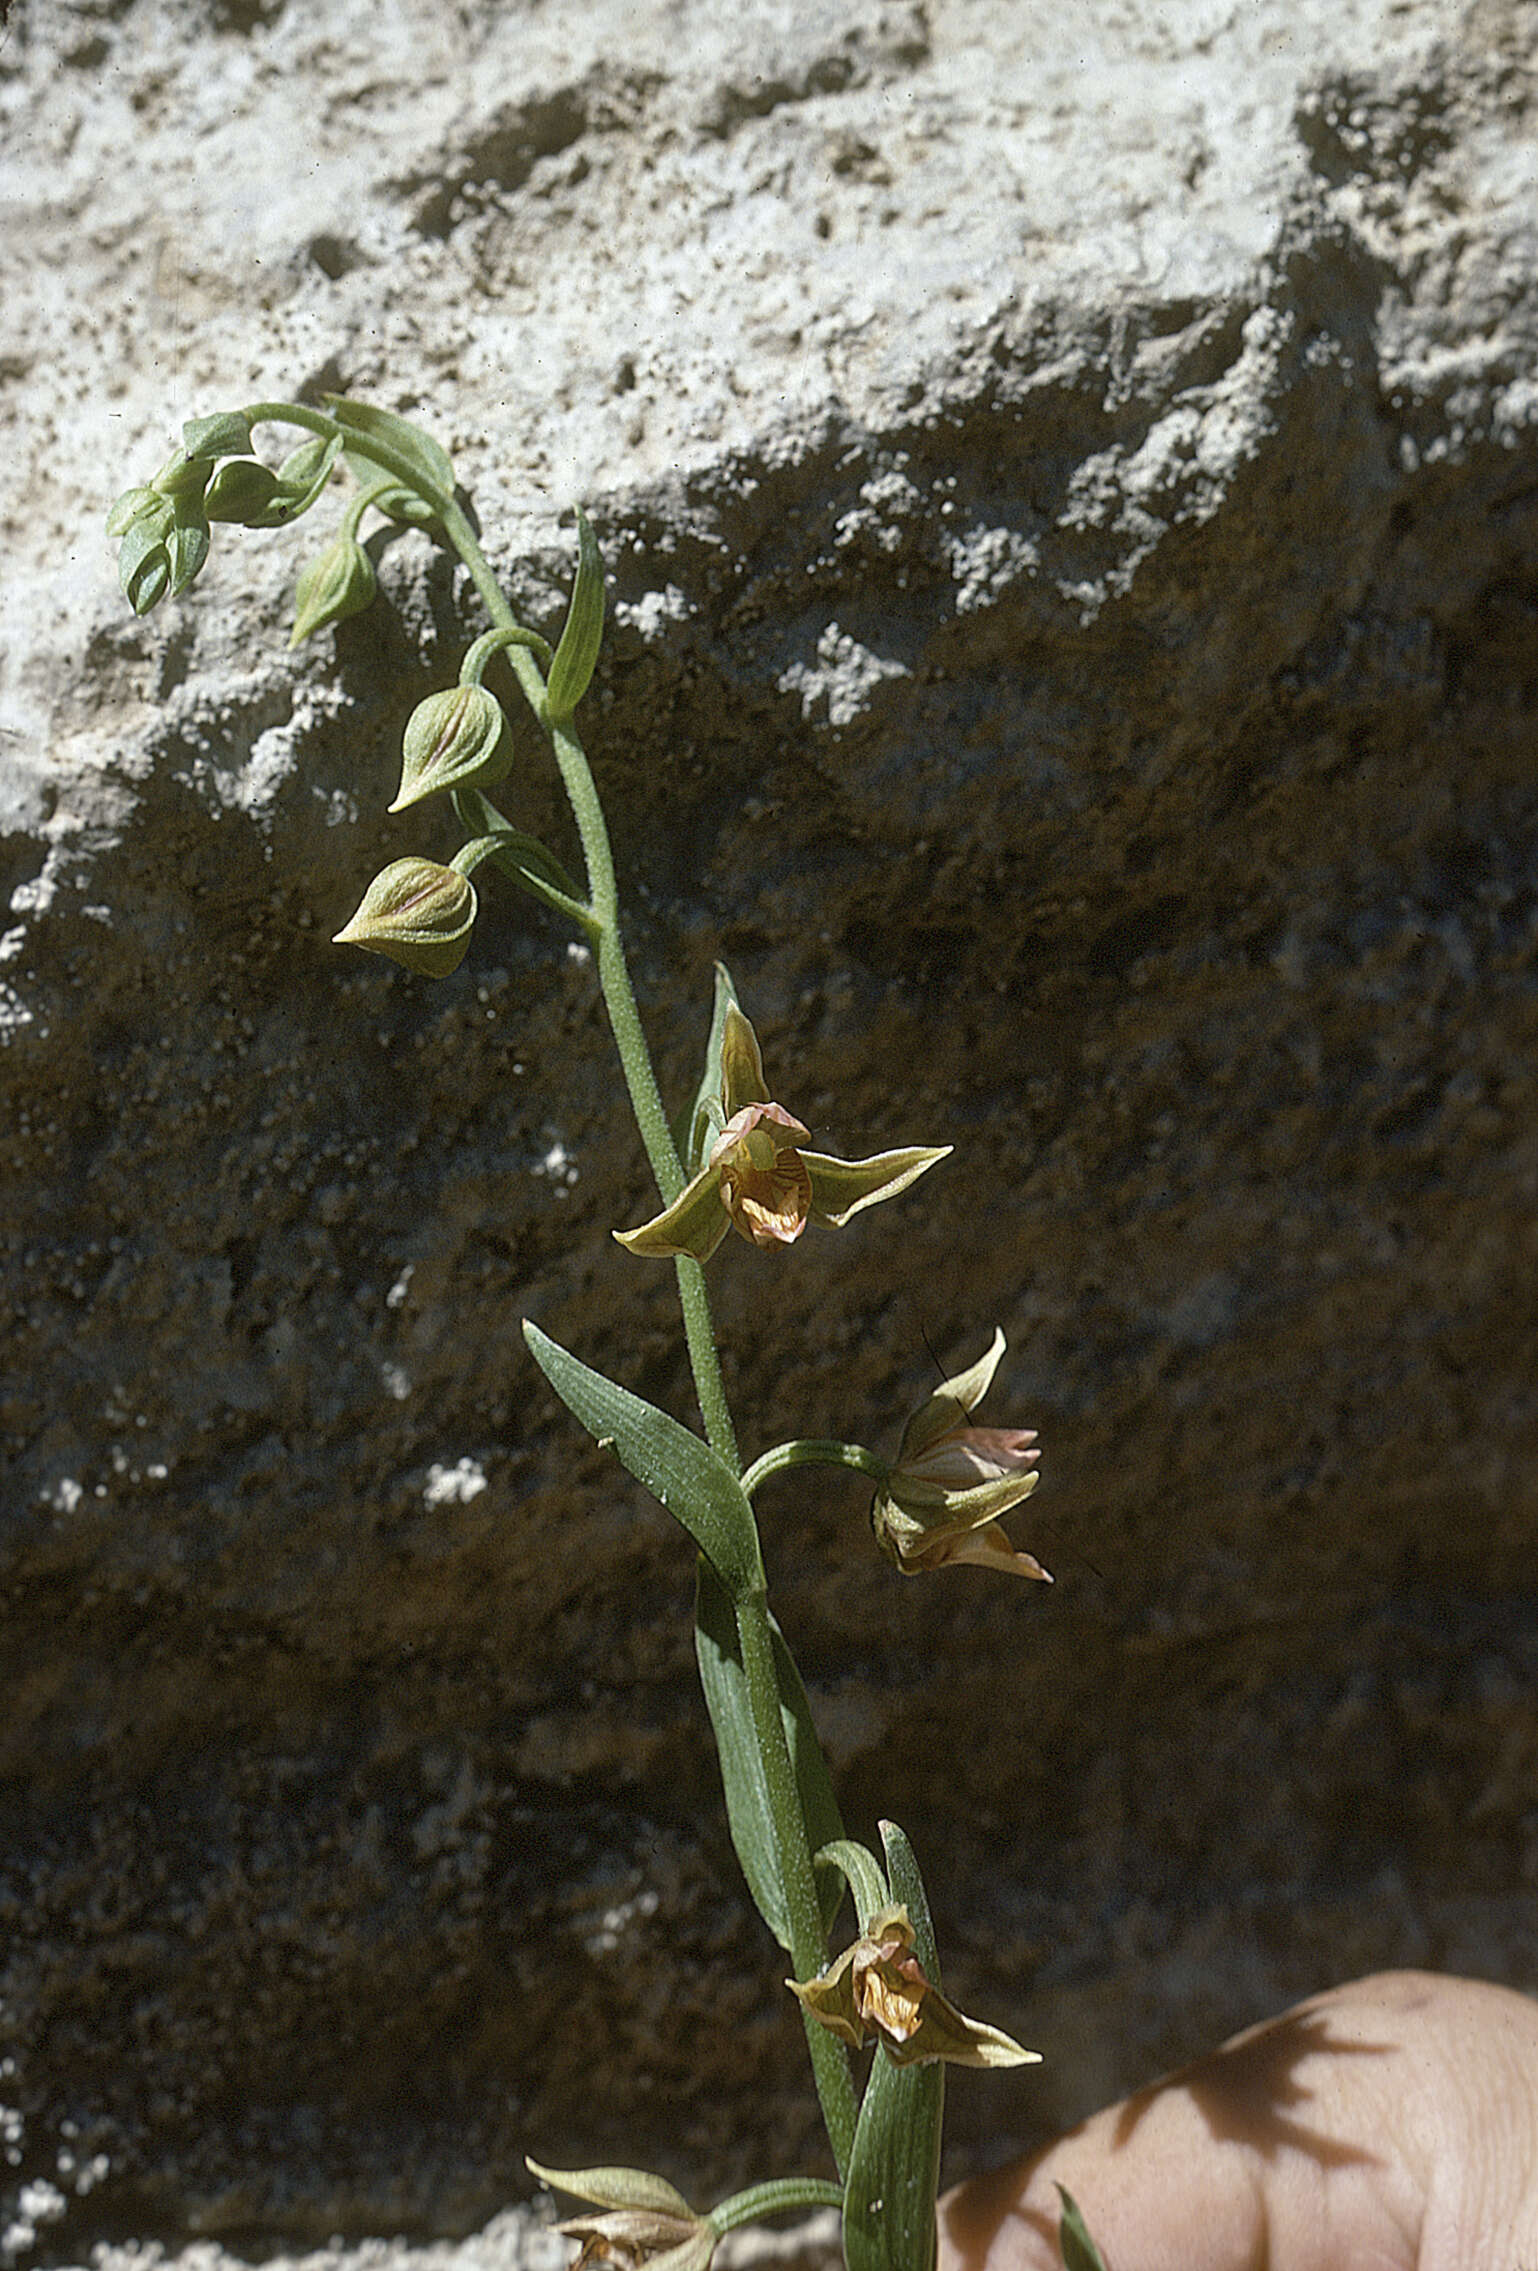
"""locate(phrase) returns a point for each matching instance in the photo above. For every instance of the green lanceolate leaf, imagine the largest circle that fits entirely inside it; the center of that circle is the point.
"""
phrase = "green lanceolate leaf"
(742, 1774)
(702, 1130)
(577, 652)
(429, 463)
(1079, 2250)
(908, 1888)
(894, 2171)
(678, 1467)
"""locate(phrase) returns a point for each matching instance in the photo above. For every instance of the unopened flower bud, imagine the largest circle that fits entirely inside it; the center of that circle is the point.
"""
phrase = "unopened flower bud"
(341, 582)
(243, 490)
(302, 476)
(144, 565)
(136, 505)
(456, 739)
(226, 434)
(417, 912)
(306, 463)
(165, 542)
(183, 476)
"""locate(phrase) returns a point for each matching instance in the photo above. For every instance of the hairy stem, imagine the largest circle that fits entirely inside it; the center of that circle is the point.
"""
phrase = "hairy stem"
(814, 1451)
(775, 2197)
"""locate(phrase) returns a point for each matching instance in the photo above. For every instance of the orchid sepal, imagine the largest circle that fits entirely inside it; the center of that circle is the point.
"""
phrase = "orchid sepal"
(842, 1188)
(694, 1224)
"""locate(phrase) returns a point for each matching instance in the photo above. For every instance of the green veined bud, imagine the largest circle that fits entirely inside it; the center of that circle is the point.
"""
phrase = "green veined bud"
(144, 565)
(302, 476)
(456, 739)
(135, 506)
(183, 477)
(243, 489)
(418, 913)
(339, 583)
(224, 435)
(165, 543)
(187, 546)
(309, 461)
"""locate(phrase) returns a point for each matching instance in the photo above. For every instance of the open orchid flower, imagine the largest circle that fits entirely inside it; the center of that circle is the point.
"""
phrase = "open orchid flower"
(940, 1503)
(641, 2223)
(758, 1179)
(877, 1990)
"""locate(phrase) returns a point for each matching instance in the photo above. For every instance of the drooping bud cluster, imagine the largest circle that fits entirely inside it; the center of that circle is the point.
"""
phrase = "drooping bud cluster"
(163, 530)
(163, 526)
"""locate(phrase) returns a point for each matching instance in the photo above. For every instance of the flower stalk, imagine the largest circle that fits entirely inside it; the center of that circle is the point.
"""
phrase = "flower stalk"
(747, 1167)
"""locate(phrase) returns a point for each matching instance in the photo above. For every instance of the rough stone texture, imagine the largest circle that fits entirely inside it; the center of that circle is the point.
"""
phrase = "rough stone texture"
(1071, 485)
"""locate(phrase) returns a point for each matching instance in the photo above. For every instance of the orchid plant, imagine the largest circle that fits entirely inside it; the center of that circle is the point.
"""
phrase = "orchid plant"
(739, 1161)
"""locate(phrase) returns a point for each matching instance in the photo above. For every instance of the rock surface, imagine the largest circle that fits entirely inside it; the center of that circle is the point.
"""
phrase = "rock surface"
(1070, 481)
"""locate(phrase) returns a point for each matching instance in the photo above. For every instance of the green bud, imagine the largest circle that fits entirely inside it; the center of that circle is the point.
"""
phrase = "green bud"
(247, 491)
(186, 548)
(311, 461)
(223, 435)
(183, 477)
(136, 505)
(165, 543)
(577, 653)
(144, 565)
(457, 739)
(339, 583)
(243, 489)
(303, 474)
(418, 913)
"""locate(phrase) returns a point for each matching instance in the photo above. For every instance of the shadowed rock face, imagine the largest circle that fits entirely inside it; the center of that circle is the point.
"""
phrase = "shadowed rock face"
(1072, 503)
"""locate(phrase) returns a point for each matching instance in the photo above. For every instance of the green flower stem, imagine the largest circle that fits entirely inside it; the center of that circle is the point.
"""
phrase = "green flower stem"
(472, 669)
(700, 1336)
(403, 474)
(814, 1451)
(357, 506)
(808, 1945)
(602, 890)
(777, 2197)
(618, 993)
